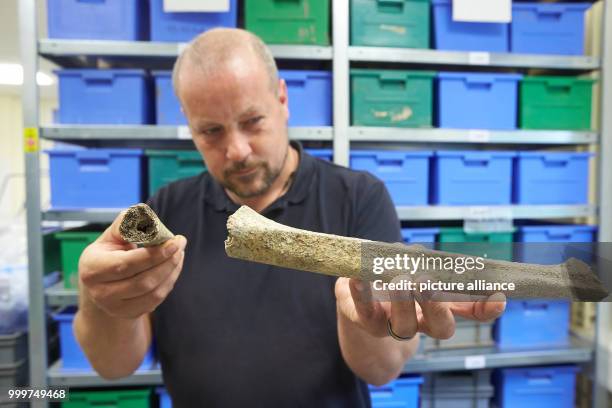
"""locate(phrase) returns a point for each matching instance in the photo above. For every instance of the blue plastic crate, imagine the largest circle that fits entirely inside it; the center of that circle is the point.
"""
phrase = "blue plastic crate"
(310, 97)
(405, 173)
(98, 19)
(546, 244)
(472, 177)
(95, 178)
(164, 398)
(419, 235)
(463, 97)
(182, 27)
(323, 154)
(401, 393)
(552, 178)
(536, 387)
(466, 36)
(167, 106)
(548, 28)
(109, 96)
(71, 354)
(533, 323)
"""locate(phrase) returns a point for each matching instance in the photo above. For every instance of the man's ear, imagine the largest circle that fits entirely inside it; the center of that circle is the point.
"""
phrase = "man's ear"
(283, 96)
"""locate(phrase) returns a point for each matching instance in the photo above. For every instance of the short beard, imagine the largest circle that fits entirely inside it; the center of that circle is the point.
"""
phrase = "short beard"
(270, 175)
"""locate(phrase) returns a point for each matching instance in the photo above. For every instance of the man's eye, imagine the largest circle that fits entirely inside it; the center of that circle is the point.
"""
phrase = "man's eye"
(254, 121)
(212, 131)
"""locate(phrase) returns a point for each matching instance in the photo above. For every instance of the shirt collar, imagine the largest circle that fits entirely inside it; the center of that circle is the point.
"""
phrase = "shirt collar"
(303, 180)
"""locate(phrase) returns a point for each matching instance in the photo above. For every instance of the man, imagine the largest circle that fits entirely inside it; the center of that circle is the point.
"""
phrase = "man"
(234, 333)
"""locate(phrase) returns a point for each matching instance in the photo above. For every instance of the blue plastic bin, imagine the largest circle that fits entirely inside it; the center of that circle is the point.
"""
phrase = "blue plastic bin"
(545, 244)
(98, 19)
(167, 106)
(164, 398)
(552, 178)
(466, 36)
(405, 173)
(548, 28)
(472, 177)
(323, 154)
(419, 235)
(182, 27)
(95, 178)
(478, 100)
(109, 96)
(71, 354)
(401, 393)
(536, 387)
(533, 323)
(310, 97)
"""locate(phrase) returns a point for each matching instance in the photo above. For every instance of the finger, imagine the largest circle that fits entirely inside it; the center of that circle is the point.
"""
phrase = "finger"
(481, 310)
(403, 314)
(437, 320)
(148, 302)
(119, 265)
(146, 281)
(361, 293)
(112, 234)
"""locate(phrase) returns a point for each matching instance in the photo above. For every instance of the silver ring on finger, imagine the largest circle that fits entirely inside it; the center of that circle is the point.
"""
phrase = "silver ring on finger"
(395, 336)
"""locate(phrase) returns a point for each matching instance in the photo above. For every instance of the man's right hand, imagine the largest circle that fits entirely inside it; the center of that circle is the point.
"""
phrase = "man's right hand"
(125, 281)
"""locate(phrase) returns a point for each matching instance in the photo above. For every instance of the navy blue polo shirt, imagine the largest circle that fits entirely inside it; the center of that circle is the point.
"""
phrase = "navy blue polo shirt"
(234, 333)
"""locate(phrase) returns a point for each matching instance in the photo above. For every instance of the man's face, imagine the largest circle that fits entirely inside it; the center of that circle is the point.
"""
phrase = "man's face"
(238, 123)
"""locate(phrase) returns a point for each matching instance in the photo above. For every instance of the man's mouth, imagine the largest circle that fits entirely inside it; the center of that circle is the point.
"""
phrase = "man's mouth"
(244, 172)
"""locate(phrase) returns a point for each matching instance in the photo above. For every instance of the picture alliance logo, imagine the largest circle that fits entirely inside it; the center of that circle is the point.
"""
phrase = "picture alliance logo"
(411, 264)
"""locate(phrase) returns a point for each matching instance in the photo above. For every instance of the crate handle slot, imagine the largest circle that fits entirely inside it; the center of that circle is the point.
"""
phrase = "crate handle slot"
(559, 84)
(295, 82)
(477, 159)
(85, 155)
(190, 160)
(103, 404)
(550, 11)
(560, 234)
(390, 5)
(390, 162)
(92, 1)
(480, 81)
(535, 306)
(556, 161)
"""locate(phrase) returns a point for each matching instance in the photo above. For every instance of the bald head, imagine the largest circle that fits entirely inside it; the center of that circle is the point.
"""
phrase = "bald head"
(216, 50)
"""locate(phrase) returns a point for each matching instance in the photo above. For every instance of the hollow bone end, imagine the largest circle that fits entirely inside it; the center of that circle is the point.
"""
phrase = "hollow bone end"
(140, 225)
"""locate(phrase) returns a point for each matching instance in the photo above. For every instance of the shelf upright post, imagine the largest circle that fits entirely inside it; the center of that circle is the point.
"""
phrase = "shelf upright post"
(341, 98)
(37, 335)
(603, 361)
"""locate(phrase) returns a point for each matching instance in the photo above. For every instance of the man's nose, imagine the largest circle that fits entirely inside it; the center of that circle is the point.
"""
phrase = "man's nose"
(238, 148)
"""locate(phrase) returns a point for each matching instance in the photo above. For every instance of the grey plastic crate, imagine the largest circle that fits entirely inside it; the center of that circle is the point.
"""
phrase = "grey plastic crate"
(14, 375)
(468, 334)
(480, 399)
(13, 348)
(457, 389)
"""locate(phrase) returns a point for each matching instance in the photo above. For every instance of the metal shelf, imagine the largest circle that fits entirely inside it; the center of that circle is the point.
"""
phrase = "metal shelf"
(61, 378)
(58, 296)
(579, 351)
(424, 213)
(520, 137)
(435, 212)
(67, 50)
(482, 59)
(157, 133)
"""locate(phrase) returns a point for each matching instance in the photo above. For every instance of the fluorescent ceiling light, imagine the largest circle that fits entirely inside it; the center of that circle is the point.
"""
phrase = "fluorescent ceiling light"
(12, 74)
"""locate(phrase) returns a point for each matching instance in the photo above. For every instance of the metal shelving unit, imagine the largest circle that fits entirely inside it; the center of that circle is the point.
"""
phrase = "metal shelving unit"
(81, 53)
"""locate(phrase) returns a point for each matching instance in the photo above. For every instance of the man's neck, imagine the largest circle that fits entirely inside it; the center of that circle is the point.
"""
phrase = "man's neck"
(280, 186)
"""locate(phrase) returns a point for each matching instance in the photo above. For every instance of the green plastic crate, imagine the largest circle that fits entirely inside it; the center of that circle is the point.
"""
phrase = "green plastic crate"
(72, 244)
(109, 399)
(52, 253)
(456, 235)
(556, 103)
(392, 98)
(166, 166)
(289, 21)
(390, 23)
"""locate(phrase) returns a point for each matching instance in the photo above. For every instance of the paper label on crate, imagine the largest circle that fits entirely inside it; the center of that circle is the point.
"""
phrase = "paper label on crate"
(488, 219)
(174, 6)
(482, 11)
(475, 362)
(479, 58)
(480, 136)
(183, 133)
(31, 143)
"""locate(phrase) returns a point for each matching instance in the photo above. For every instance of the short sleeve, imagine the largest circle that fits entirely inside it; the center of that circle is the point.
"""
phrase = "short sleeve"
(376, 218)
